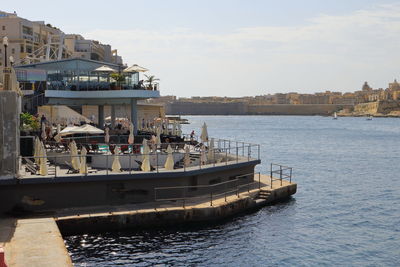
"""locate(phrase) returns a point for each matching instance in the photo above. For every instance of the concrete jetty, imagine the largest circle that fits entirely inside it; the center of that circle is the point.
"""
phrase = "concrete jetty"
(33, 242)
(38, 241)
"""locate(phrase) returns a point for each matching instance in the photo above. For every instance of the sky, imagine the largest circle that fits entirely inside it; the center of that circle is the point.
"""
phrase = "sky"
(237, 47)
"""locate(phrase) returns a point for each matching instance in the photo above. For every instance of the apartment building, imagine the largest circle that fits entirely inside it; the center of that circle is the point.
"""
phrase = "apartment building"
(36, 41)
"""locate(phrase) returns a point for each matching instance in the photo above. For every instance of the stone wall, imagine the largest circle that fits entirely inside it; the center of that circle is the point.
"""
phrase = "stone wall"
(10, 108)
(241, 108)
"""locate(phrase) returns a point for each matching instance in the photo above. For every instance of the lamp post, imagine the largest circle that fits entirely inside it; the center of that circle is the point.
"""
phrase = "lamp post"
(5, 43)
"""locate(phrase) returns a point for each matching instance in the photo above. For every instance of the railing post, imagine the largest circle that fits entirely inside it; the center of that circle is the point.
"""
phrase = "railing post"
(157, 160)
(237, 153)
(259, 180)
(290, 177)
(242, 149)
(226, 157)
(248, 152)
(130, 163)
(107, 164)
(271, 175)
(214, 157)
(280, 173)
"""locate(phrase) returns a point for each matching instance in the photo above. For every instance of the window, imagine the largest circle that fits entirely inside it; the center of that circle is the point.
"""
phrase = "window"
(13, 51)
(22, 49)
(4, 28)
(27, 30)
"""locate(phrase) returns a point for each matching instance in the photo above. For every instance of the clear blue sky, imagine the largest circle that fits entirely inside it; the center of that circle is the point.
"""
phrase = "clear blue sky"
(237, 48)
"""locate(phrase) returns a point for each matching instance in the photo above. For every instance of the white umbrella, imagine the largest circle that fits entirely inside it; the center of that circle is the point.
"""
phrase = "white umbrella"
(135, 68)
(44, 136)
(210, 153)
(74, 156)
(154, 142)
(165, 127)
(58, 136)
(158, 131)
(203, 157)
(37, 150)
(83, 167)
(43, 160)
(169, 163)
(145, 160)
(107, 135)
(105, 68)
(131, 137)
(174, 128)
(204, 133)
(116, 165)
(86, 129)
(186, 160)
(179, 131)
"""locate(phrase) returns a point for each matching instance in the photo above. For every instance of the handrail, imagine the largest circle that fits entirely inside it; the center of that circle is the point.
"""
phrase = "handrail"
(212, 194)
(281, 172)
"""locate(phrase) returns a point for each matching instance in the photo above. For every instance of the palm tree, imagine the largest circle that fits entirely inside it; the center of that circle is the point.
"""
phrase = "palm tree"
(150, 80)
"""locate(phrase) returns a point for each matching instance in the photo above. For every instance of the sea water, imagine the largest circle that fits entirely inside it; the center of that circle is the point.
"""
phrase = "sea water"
(346, 211)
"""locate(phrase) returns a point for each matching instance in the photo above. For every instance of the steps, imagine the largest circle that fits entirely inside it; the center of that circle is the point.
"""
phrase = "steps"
(263, 194)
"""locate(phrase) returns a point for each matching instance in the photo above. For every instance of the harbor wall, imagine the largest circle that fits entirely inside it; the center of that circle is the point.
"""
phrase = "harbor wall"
(10, 107)
(242, 108)
(47, 194)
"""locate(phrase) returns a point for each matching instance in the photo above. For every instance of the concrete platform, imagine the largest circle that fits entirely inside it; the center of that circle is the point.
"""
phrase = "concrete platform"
(33, 242)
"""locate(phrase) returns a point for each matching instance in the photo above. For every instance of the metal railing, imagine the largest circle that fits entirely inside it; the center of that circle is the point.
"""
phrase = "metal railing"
(283, 172)
(208, 193)
(130, 162)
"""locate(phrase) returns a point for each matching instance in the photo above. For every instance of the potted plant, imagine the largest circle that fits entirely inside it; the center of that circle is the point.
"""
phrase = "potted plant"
(118, 78)
(150, 80)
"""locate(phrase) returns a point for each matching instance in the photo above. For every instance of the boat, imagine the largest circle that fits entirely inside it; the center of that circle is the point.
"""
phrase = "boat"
(335, 116)
(369, 118)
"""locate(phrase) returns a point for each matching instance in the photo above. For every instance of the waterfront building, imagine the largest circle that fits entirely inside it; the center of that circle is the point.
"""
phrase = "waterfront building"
(78, 82)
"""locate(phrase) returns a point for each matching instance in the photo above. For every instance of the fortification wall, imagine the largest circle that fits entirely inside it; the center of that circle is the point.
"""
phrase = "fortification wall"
(288, 109)
(240, 108)
(212, 108)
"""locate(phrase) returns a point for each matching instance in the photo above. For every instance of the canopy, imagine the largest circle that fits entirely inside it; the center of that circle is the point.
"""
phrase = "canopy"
(84, 129)
(105, 68)
(203, 157)
(135, 68)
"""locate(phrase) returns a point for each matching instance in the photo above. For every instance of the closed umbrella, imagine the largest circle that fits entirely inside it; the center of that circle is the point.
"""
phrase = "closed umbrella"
(44, 136)
(107, 135)
(179, 131)
(169, 163)
(43, 160)
(116, 165)
(210, 153)
(165, 124)
(204, 133)
(203, 157)
(131, 137)
(158, 131)
(146, 159)
(186, 160)
(58, 136)
(36, 153)
(74, 156)
(174, 128)
(83, 167)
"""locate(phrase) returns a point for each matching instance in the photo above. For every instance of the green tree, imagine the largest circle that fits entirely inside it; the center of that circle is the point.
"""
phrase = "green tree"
(118, 77)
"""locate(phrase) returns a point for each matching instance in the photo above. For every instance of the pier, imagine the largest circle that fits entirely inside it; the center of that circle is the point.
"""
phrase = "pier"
(38, 241)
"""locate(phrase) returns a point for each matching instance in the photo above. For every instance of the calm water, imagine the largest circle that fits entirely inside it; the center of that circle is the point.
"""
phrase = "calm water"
(346, 211)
